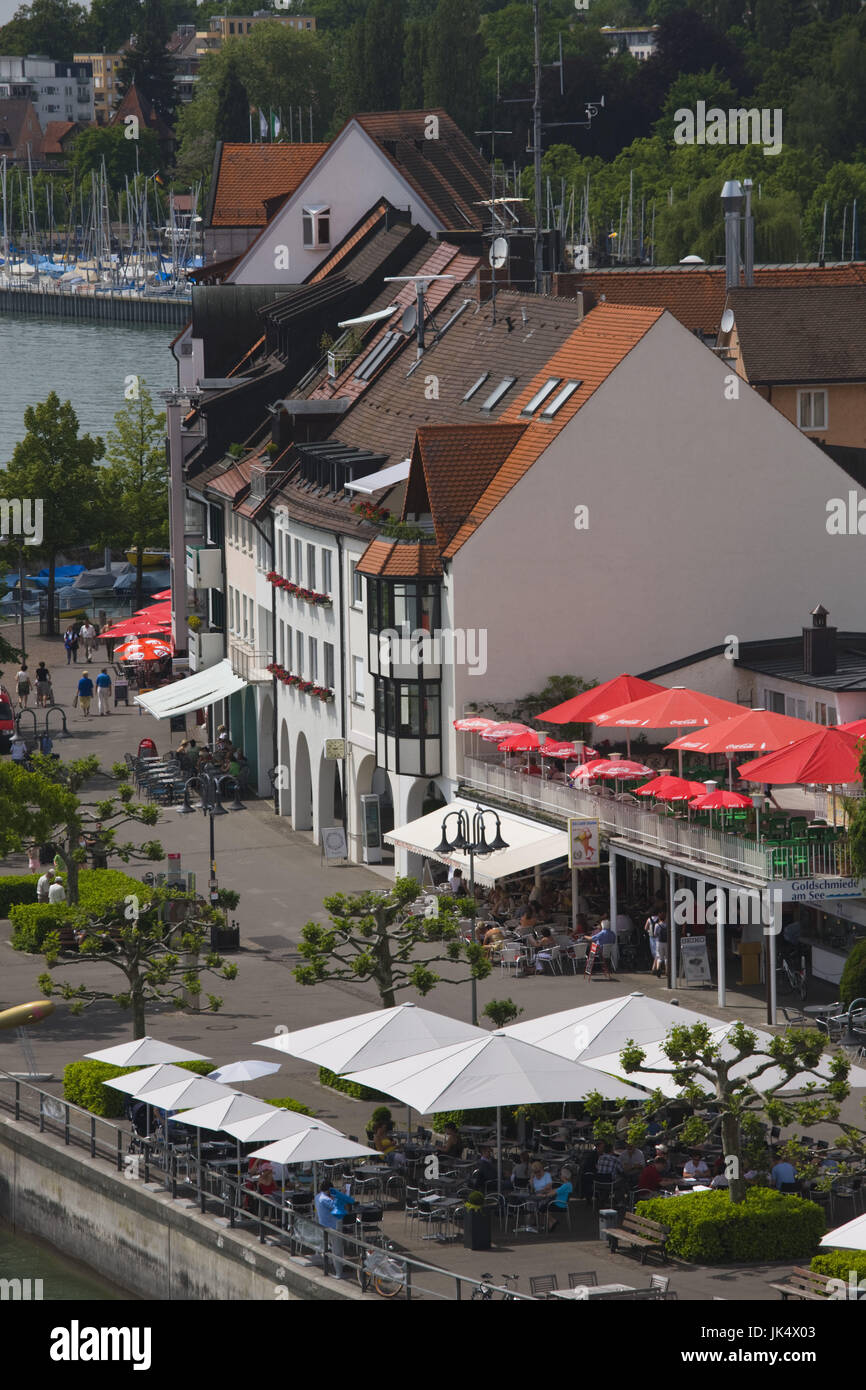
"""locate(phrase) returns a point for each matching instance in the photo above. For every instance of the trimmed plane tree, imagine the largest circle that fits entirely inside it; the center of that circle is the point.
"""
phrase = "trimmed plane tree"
(743, 1105)
(372, 936)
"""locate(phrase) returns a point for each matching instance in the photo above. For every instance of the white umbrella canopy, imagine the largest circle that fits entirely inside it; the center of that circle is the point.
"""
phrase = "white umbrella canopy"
(279, 1124)
(315, 1144)
(493, 1070)
(144, 1052)
(236, 1072)
(594, 1030)
(216, 1113)
(664, 1082)
(851, 1236)
(193, 1090)
(149, 1079)
(372, 1039)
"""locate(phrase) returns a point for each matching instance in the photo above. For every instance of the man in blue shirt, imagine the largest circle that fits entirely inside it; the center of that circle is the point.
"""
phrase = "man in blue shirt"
(85, 693)
(103, 691)
(783, 1176)
(331, 1206)
(605, 938)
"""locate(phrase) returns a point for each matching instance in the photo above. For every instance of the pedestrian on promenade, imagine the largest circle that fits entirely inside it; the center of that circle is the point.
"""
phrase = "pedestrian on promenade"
(70, 642)
(57, 893)
(103, 691)
(88, 637)
(43, 685)
(44, 885)
(85, 693)
(23, 682)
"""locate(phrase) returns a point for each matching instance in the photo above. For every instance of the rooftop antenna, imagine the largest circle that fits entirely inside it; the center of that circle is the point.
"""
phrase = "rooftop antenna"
(420, 282)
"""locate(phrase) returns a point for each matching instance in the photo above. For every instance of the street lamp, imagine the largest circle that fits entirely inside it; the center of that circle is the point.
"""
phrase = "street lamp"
(211, 789)
(471, 840)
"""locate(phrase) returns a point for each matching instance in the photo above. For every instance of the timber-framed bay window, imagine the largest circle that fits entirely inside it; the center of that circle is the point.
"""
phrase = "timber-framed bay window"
(403, 621)
(408, 726)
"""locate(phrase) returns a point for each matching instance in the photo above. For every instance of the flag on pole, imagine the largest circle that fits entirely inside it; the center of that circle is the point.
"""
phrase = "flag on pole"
(276, 126)
(263, 125)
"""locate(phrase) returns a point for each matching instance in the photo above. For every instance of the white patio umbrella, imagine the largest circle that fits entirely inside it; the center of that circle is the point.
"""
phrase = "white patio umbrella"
(851, 1236)
(193, 1090)
(144, 1052)
(279, 1124)
(663, 1080)
(148, 1079)
(216, 1113)
(315, 1144)
(594, 1030)
(493, 1070)
(236, 1072)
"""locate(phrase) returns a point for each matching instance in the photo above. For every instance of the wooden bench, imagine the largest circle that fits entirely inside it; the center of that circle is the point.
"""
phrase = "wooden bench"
(804, 1283)
(640, 1232)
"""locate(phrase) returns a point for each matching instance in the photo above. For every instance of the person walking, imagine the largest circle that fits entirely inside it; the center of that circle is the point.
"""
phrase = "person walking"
(43, 685)
(88, 637)
(57, 892)
(103, 691)
(23, 684)
(70, 642)
(660, 937)
(85, 693)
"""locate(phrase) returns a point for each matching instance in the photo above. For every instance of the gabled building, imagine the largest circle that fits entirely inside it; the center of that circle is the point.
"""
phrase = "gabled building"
(136, 104)
(245, 179)
(20, 131)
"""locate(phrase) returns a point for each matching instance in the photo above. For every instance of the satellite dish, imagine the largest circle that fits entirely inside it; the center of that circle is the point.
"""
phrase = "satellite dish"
(692, 260)
(498, 253)
(727, 320)
(409, 319)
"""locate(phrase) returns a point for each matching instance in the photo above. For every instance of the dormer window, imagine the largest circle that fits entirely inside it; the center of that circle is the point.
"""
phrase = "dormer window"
(317, 227)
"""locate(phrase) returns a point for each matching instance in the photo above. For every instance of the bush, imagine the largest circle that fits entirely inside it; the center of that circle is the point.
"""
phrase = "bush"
(541, 1114)
(380, 1116)
(349, 1088)
(839, 1264)
(83, 1085)
(17, 888)
(853, 983)
(286, 1103)
(708, 1228)
(99, 890)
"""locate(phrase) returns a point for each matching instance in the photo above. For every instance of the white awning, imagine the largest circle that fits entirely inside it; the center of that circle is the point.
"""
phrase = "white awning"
(204, 688)
(386, 477)
(529, 842)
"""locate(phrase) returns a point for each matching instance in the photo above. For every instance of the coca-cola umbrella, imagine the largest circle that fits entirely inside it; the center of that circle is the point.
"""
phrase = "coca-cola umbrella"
(676, 708)
(163, 593)
(497, 732)
(620, 769)
(144, 649)
(750, 731)
(721, 800)
(854, 726)
(668, 788)
(554, 748)
(582, 709)
(476, 724)
(136, 627)
(830, 756)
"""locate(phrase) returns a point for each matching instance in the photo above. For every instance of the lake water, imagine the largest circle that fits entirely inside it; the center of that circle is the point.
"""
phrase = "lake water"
(84, 361)
(21, 1257)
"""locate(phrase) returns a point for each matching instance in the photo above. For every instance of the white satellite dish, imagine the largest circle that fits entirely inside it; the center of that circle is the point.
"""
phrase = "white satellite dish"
(498, 253)
(727, 321)
(692, 260)
(409, 320)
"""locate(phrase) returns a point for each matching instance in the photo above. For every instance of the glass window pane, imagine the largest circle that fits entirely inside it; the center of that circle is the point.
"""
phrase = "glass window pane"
(311, 567)
(819, 410)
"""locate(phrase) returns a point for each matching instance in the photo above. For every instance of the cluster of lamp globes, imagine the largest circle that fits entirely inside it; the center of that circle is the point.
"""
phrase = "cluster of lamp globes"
(478, 844)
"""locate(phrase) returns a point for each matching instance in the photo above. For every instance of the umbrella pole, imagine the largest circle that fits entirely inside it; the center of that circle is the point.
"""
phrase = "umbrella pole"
(730, 772)
(628, 743)
(680, 762)
(499, 1150)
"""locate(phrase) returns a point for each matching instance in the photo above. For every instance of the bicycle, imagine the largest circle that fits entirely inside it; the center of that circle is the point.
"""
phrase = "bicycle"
(485, 1290)
(794, 979)
(378, 1268)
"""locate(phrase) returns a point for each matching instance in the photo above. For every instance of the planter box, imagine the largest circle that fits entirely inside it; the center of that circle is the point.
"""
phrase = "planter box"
(225, 938)
(476, 1230)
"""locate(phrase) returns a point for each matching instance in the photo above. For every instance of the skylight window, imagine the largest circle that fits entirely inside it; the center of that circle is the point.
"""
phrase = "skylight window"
(559, 399)
(496, 396)
(476, 386)
(542, 395)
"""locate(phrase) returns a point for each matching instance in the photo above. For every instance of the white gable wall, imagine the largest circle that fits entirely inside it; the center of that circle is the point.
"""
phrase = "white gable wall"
(707, 517)
(349, 178)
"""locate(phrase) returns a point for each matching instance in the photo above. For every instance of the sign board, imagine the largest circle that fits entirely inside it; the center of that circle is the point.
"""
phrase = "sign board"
(174, 868)
(334, 843)
(335, 748)
(371, 827)
(583, 843)
(592, 955)
(694, 961)
(820, 889)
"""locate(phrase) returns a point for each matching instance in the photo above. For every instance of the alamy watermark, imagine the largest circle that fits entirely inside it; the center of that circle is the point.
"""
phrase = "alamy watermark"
(22, 516)
(20, 1290)
(738, 126)
(459, 646)
(735, 907)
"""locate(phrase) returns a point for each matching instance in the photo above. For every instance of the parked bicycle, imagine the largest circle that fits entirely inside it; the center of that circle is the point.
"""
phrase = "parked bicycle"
(793, 977)
(486, 1289)
(380, 1269)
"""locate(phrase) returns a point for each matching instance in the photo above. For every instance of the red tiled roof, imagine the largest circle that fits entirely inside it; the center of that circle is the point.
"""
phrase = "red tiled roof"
(595, 349)
(234, 479)
(694, 294)
(135, 103)
(452, 466)
(248, 175)
(54, 133)
(406, 559)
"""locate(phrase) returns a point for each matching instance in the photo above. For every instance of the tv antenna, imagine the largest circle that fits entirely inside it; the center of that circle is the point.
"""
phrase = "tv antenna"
(413, 315)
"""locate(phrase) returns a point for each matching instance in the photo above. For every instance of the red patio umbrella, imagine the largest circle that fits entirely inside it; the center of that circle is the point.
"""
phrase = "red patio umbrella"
(676, 708)
(668, 788)
(854, 726)
(829, 756)
(497, 732)
(611, 767)
(720, 800)
(163, 593)
(553, 748)
(144, 649)
(520, 743)
(580, 709)
(752, 730)
(476, 725)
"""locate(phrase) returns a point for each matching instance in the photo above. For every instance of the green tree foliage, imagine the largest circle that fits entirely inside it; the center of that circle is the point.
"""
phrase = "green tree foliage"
(414, 64)
(233, 105)
(382, 62)
(454, 62)
(148, 65)
(160, 950)
(109, 143)
(112, 23)
(43, 807)
(372, 936)
(135, 481)
(55, 28)
(56, 466)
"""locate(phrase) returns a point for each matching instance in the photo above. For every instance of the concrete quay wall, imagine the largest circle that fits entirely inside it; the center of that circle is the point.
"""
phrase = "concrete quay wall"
(137, 1236)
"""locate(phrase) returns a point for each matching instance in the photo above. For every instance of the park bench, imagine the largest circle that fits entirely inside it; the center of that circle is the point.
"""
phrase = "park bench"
(804, 1283)
(640, 1232)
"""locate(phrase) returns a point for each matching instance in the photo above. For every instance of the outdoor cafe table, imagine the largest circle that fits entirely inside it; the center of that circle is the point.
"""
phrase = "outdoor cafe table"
(590, 1291)
(437, 1202)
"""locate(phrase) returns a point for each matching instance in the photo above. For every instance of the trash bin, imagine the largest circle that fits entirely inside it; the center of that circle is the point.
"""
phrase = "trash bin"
(750, 962)
(607, 1219)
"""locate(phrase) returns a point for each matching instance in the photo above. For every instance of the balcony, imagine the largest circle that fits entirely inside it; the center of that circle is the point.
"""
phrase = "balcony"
(250, 665)
(205, 649)
(658, 834)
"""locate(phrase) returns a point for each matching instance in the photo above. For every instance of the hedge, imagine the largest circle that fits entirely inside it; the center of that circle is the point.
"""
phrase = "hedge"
(349, 1088)
(853, 982)
(83, 1085)
(286, 1103)
(99, 890)
(840, 1263)
(17, 888)
(539, 1114)
(708, 1228)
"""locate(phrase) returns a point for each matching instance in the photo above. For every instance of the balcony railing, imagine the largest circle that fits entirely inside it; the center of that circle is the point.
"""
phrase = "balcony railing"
(249, 664)
(659, 833)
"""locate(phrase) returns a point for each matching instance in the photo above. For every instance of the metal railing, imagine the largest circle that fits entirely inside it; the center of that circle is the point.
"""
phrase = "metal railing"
(100, 1137)
(661, 834)
(250, 665)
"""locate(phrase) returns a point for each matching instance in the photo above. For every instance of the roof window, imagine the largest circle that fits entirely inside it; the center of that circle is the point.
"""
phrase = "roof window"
(541, 396)
(496, 396)
(476, 386)
(559, 399)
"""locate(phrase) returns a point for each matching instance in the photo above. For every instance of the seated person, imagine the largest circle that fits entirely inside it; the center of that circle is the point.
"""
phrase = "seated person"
(696, 1166)
(581, 929)
(453, 1145)
(544, 939)
(530, 917)
(484, 1171)
(559, 1202)
(652, 1177)
(521, 1171)
(481, 930)
(783, 1176)
(632, 1161)
(456, 883)
(382, 1139)
(540, 1181)
(661, 1154)
(499, 905)
(493, 939)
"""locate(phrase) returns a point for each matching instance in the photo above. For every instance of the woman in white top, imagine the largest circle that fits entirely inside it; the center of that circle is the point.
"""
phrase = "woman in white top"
(696, 1167)
(541, 1181)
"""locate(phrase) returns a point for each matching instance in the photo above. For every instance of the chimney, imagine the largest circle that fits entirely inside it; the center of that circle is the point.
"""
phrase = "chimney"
(819, 645)
(732, 202)
(748, 236)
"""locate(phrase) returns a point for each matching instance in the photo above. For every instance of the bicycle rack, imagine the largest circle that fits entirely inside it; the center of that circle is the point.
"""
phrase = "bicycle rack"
(20, 715)
(45, 727)
(56, 709)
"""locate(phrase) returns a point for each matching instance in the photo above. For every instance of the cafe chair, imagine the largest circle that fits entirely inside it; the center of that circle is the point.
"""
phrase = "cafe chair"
(585, 1279)
(542, 1284)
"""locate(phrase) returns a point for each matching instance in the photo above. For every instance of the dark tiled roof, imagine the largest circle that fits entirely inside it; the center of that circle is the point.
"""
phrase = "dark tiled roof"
(808, 334)
(248, 175)
(135, 103)
(370, 222)
(454, 464)
(401, 559)
(695, 294)
(18, 119)
(850, 673)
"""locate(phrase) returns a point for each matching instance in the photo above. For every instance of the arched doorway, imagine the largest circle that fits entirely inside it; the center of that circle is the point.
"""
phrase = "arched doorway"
(424, 797)
(250, 742)
(283, 780)
(302, 802)
(266, 743)
(330, 793)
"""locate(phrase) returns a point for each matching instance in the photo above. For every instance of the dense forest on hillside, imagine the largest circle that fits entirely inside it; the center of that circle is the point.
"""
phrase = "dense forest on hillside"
(804, 58)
